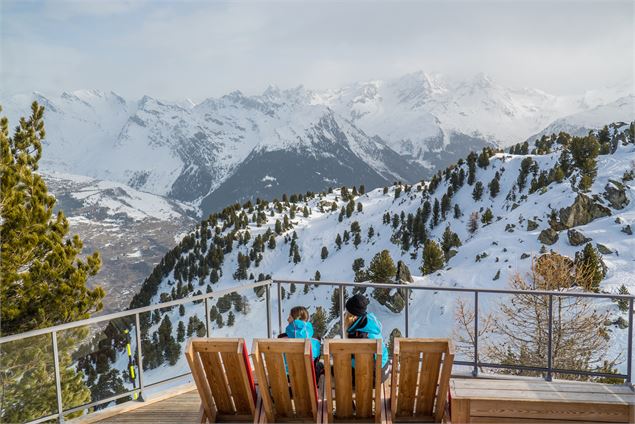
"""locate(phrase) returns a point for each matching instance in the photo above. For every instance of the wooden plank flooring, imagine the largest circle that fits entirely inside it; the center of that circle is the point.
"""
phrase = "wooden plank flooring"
(182, 409)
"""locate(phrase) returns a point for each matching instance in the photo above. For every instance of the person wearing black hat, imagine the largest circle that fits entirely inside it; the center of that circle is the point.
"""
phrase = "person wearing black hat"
(361, 324)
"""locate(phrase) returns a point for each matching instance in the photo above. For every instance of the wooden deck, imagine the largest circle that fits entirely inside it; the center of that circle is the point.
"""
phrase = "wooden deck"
(182, 408)
(498, 397)
(181, 405)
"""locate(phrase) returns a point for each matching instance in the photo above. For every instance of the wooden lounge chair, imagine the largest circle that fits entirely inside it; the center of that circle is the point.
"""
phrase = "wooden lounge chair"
(365, 401)
(286, 380)
(221, 371)
(421, 370)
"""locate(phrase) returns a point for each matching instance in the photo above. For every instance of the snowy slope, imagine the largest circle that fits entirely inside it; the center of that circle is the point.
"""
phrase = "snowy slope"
(504, 247)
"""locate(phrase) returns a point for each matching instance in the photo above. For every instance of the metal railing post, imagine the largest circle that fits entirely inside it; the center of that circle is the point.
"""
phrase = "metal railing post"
(549, 340)
(58, 381)
(475, 369)
(342, 330)
(629, 361)
(279, 307)
(268, 300)
(407, 313)
(139, 357)
(207, 317)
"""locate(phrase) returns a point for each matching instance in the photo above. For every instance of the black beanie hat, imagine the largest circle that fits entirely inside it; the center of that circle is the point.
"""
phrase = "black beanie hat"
(356, 305)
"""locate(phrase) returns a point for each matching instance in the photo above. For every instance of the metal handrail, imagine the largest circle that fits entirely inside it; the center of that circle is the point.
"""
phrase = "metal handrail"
(476, 364)
(130, 312)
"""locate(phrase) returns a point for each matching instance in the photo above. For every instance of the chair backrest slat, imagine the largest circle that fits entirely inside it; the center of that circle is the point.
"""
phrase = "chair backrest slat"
(366, 393)
(408, 376)
(364, 364)
(238, 390)
(420, 380)
(222, 375)
(274, 364)
(286, 379)
(428, 382)
(299, 384)
(216, 379)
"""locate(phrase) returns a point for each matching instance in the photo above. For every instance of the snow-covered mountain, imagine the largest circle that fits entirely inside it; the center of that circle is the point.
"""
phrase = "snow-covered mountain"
(132, 230)
(622, 109)
(237, 146)
(537, 208)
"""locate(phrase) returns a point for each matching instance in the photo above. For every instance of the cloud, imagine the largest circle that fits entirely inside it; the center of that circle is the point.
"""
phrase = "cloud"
(199, 49)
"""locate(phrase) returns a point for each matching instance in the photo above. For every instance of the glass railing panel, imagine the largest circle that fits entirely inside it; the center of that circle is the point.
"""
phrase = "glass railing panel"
(514, 333)
(28, 379)
(164, 334)
(97, 363)
(590, 335)
(239, 314)
(445, 314)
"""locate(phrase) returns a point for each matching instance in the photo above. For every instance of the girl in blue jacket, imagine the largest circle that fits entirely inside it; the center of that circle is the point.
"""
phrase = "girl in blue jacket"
(300, 328)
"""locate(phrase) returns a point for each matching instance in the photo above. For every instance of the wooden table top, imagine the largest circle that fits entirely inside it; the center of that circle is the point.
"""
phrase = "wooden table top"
(540, 391)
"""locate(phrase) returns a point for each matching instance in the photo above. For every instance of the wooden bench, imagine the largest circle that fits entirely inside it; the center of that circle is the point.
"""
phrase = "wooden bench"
(530, 401)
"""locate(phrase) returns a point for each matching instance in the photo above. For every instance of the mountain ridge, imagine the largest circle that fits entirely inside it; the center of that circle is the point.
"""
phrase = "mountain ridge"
(404, 129)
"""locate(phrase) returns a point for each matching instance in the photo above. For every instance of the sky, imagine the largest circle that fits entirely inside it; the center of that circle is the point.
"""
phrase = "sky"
(198, 49)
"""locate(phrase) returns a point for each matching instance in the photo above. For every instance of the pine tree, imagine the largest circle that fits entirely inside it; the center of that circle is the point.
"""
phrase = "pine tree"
(445, 205)
(296, 255)
(231, 318)
(435, 213)
(494, 186)
(213, 276)
(360, 207)
(487, 216)
(471, 168)
(483, 159)
(325, 253)
(43, 277)
(433, 258)
(272, 242)
(623, 303)
(213, 316)
(382, 268)
(589, 259)
(449, 240)
(42, 280)
(457, 211)
(584, 152)
(318, 320)
(478, 191)
(181, 310)
(338, 241)
(357, 239)
(371, 232)
(316, 277)
(219, 321)
(180, 332)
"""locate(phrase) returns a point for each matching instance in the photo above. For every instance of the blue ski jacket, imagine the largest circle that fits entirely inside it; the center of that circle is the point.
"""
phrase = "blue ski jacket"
(299, 329)
(369, 327)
